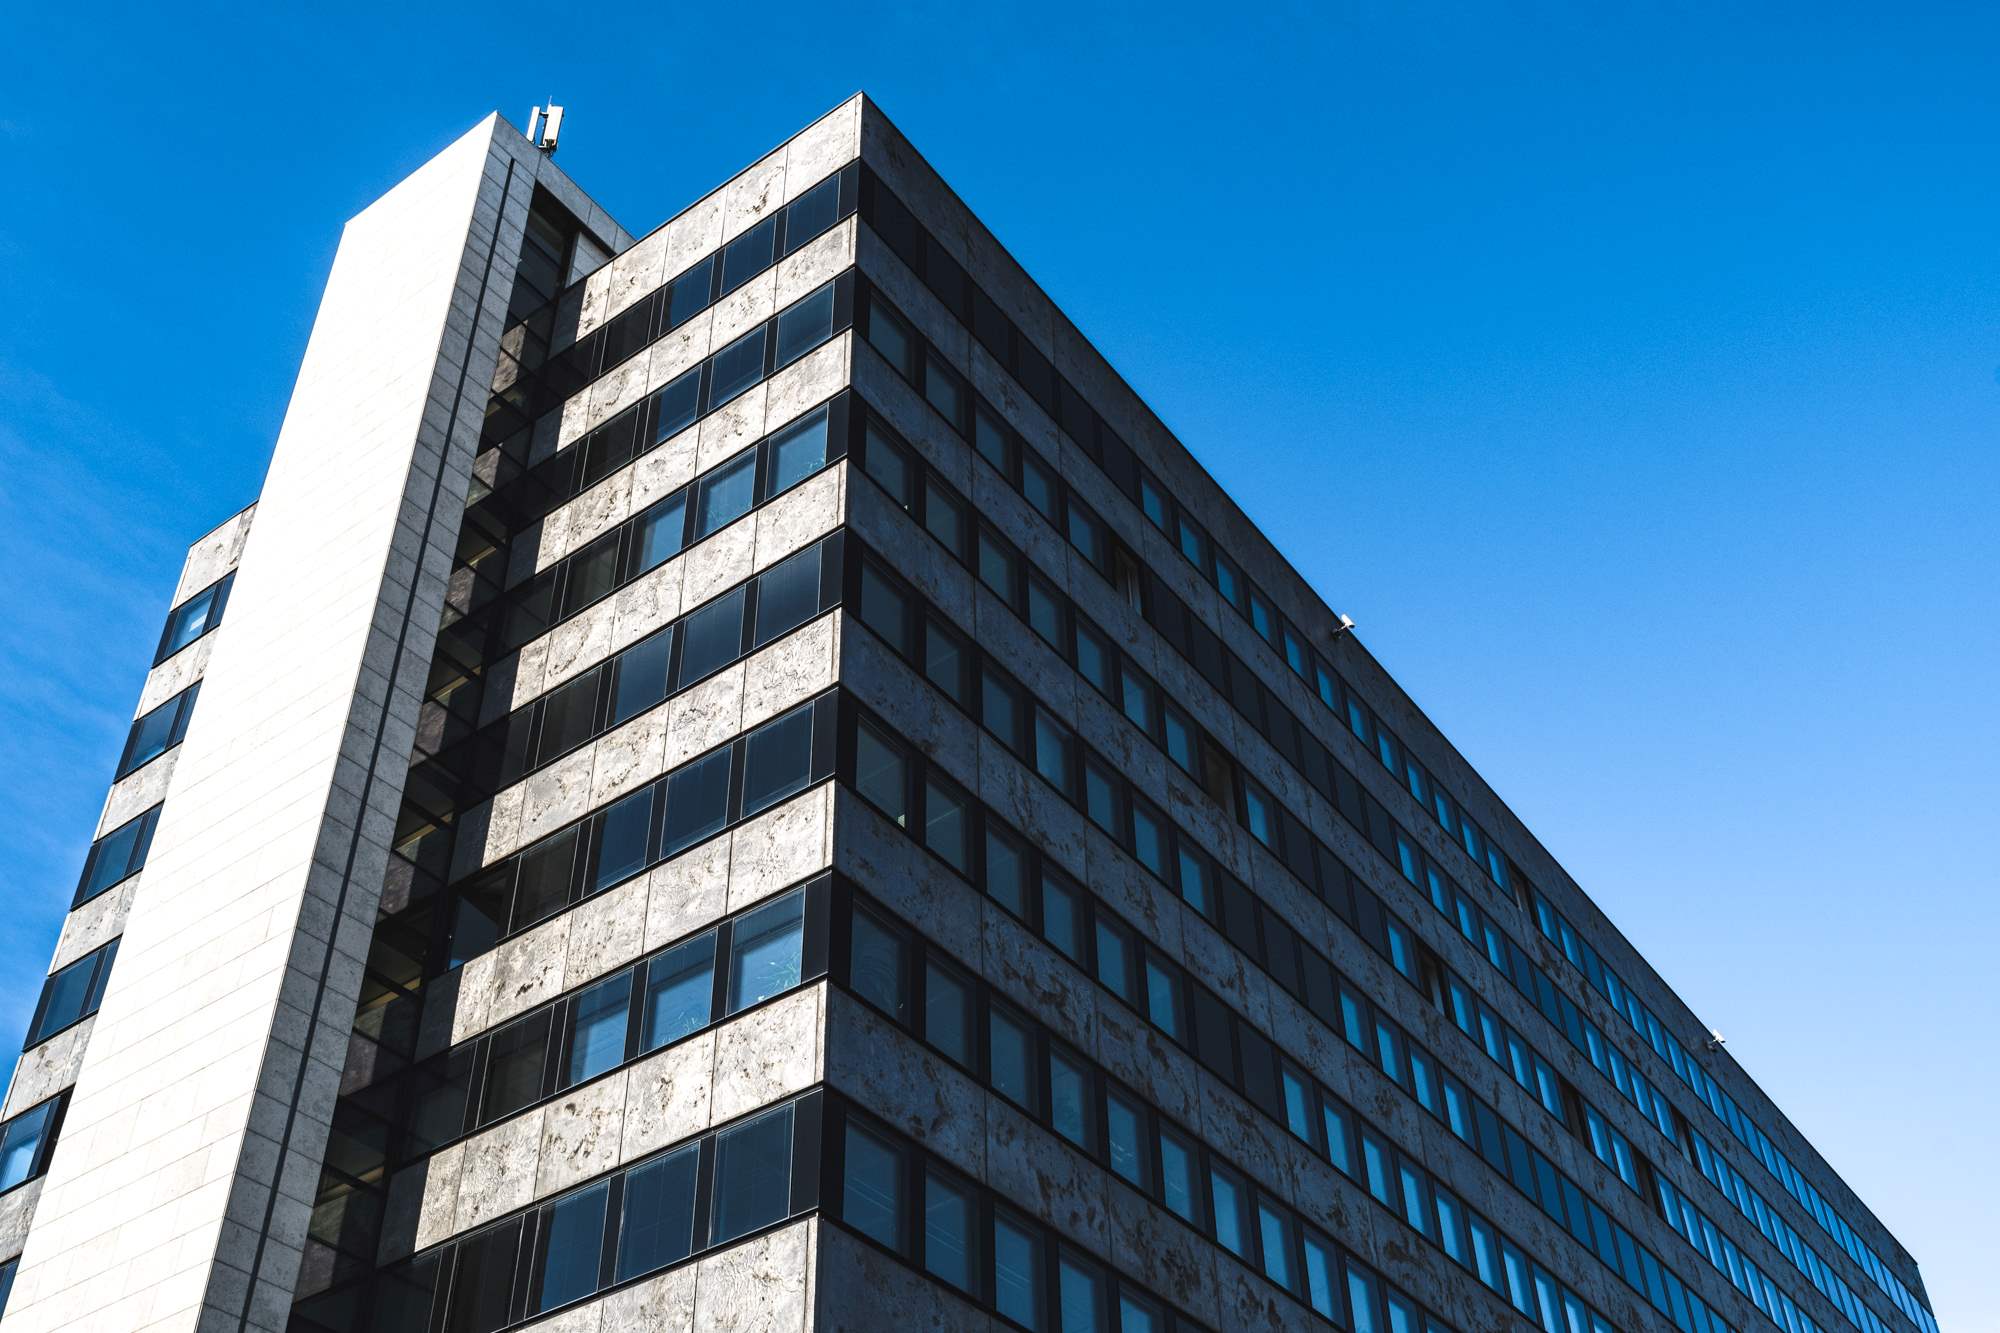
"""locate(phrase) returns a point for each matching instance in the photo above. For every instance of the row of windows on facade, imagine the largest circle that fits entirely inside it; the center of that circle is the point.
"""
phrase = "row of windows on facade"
(1000, 566)
(682, 297)
(1100, 796)
(1083, 930)
(1018, 461)
(681, 653)
(28, 1138)
(689, 805)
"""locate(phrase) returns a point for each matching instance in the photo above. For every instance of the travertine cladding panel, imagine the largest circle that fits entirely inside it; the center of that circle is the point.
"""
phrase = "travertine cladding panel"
(179, 1193)
(137, 791)
(731, 871)
(212, 556)
(733, 700)
(768, 407)
(764, 1285)
(96, 922)
(48, 1068)
(804, 160)
(175, 674)
(757, 1058)
(17, 1210)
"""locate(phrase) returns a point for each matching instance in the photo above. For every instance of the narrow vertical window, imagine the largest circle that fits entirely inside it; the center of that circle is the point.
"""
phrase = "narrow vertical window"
(598, 1042)
(753, 1175)
(574, 1245)
(765, 957)
(872, 1188)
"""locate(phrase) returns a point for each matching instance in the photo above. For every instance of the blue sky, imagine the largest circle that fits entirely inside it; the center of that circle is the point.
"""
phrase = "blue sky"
(1628, 372)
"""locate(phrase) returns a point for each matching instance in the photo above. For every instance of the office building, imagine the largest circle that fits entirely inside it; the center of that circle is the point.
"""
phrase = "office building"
(738, 778)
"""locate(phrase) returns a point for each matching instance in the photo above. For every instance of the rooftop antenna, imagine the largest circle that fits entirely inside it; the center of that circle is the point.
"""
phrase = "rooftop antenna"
(544, 125)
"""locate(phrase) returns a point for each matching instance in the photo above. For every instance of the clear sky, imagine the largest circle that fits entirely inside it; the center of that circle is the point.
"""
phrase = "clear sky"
(1628, 372)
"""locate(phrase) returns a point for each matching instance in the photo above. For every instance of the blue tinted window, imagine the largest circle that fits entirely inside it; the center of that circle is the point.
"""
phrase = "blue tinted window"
(599, 1041)
(765, 957)
(658, 1225)
(948, 1223)
(798, 452)
(711, 638)
(660, 532)
(753, 1175)
(20, 1143)
(690, 294)
(777, 760)
(736, 367)
(116, 855)
(575, 1244)
(872, 1188)
(697, 802)
(812, 213)
(623, 849)
(642, 676)
(787, 595)
(1017, 1272)
(804, 326)
(193, 618)
(680, 991)
(726, 493)
(749, 254)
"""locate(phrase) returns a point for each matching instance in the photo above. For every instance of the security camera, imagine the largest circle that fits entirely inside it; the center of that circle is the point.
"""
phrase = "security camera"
(1342, 624)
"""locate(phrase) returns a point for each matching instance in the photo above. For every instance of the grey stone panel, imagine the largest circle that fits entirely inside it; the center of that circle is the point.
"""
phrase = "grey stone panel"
(17, 1211)
(47, 1068)
(96, 923)
(214, 554)
(138, 791)
(175, 674)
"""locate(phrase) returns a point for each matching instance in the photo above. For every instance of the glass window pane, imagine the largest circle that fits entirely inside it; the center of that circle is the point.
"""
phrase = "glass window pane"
(944, 660)
(942, 387)
(777, 760)
(483, 1286)
(1011, 1053)
(569, 717)
(1093, 657)
(593, 573)
(544, 883)
(1006, 872)
(883, 608)
(1139, 1315)
(736, 367)
(787, 595)
(1114, 958)
(944, 518)
(1274, 1229)
(514, 1068)
(891, 337)
(1038, 488)
(948, 1014)
(1319, 1277)
(753, 1175)
(680, 991)
(1045, 613)
(945, 824)
(640, 681)
(996, 567)
(661, 532)
(118, 854)
(948, 1222)
(63, 996)
(1178, 1189)
(999, 710)
(697, 802)
(885, 461)
(765, 957)
(599, 1040)
(575, 1247)
(1052, 750)
(1062, 918)
(1163, 998)
(1232, 1230)
(812, 213)
(876, 966)
(872, 1188)
(1017, 1272)
(749, 254)
(804, 326)
(658, 1227)
(690, 294)
(1080, 1296)
(711, 638)
(1072, 1109)
(1125, 1127)
(21, 1142)
(622, 851)
(726, 494)
(798, 451)
(879, 772)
